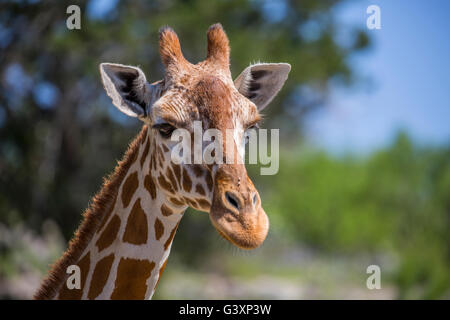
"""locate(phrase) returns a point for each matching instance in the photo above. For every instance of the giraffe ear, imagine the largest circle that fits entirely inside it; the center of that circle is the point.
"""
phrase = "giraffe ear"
(261, 82)
(127, 87)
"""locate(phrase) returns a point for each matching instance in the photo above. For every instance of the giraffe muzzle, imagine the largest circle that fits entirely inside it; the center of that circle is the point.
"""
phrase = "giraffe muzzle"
(236, 210)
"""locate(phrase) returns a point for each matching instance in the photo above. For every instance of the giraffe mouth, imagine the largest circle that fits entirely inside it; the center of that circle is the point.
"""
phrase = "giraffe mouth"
(236, 210)
(241, 232)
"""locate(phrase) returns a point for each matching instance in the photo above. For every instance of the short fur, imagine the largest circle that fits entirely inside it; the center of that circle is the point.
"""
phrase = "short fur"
(169, 47)
(204, 91)
(218, 46)
(91, 219)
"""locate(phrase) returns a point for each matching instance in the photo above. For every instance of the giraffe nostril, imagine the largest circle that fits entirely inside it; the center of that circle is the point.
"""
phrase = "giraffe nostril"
(255, 199)
(232, 200)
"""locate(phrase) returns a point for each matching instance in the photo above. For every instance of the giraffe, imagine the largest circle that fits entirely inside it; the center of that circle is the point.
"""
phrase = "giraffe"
(124, 241)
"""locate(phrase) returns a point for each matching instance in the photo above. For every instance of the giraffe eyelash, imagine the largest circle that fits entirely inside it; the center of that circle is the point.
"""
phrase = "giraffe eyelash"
(164, 129)
(253, 125)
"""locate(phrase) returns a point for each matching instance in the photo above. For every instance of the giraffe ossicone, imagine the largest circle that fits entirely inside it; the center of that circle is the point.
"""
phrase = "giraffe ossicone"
(123, 243)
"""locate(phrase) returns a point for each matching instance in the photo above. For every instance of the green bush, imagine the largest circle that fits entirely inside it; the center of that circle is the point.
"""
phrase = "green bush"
(394, 201)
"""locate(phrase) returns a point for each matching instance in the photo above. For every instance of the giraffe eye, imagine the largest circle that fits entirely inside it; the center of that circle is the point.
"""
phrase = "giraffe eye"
(164, 129)
(255, 126)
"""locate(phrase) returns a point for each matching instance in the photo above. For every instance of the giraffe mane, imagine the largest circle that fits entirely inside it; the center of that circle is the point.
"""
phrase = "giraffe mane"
(92, 217)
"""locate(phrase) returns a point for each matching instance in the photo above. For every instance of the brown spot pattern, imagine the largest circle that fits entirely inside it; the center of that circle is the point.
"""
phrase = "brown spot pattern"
(198, 170)
(75, 294)
(109, 234)
(136, 231)
(159, 229)
(129, 188)
(100, 276)
(177, 170)
(165, 148)
(153, 161)
(176, 201)
(149, 184)
(134, 157)
(165, 184)
(166, 211)
(160, 157)
(132, 275)
(190, 202)
(92, 217)
(209, 181)
(145, 153)
(171, 177)
(187, 182)
(199, 189)
(204, 204)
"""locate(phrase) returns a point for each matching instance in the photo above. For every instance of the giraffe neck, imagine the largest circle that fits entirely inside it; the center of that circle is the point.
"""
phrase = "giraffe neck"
(125, 239)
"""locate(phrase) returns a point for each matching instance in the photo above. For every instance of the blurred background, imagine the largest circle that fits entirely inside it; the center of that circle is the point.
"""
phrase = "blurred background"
(364, 122)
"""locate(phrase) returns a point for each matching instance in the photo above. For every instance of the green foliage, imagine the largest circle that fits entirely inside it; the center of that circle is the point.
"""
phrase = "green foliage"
(53, 157)
(397, 201)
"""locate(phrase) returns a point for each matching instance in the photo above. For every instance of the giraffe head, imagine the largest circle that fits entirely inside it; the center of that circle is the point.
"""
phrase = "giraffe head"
(202, 93)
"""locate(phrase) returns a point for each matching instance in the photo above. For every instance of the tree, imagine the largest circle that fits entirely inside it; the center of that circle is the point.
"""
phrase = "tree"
(59, 132)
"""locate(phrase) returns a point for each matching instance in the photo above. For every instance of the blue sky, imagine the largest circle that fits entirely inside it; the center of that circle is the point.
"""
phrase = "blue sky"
(410, 70)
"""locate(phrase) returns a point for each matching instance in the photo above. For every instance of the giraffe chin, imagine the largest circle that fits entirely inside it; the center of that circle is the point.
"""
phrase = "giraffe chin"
(239, 231)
